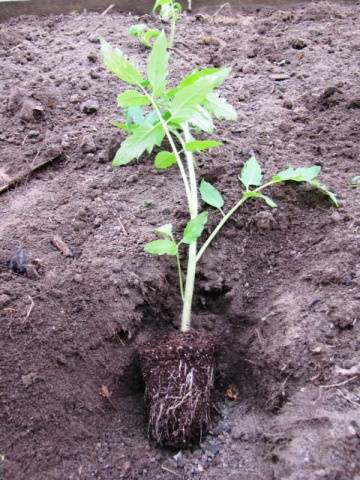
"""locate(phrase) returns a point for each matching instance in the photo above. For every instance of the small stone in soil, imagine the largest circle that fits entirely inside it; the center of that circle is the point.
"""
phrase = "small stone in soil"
(94, 38)
(84, 85)
(355, 103)
(113, 146)
(88, 144)
(279, 77)
(74, 98)
(94, 74)
(4, 300)
(53, 149)
(298, 43)
(264, 220)
(18, 262)
(132, 178)
(288, 104)
(212, 448)
(31, 111)
(90, 106)
(33, 134)
(92, 57)
(103, 157)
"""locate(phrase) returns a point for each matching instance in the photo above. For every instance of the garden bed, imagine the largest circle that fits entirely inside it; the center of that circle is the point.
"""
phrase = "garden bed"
(281, 291)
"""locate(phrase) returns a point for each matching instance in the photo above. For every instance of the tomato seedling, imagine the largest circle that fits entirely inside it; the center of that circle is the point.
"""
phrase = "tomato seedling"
(154, 112)
(170, 12)
(145, 34)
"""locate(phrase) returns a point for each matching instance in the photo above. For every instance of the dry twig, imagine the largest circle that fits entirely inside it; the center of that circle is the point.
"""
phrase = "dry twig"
(107, 10)
(22, 177)
(59, 243)
(347, 398)
(339, 384)
(170, 471)
(30, 309)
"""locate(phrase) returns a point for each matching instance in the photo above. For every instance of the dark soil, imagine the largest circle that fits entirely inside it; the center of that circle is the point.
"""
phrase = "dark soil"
(178, 372)
(279, 288)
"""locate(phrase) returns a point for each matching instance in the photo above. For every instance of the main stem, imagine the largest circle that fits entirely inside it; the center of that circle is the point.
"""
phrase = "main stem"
(190, 185)
(191, 267)
(172, 33)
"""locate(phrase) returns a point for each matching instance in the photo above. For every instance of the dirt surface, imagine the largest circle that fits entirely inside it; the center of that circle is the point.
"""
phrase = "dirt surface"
(280, 288)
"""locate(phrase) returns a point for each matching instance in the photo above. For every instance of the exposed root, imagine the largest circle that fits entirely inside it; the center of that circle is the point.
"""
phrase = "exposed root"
(179, 377)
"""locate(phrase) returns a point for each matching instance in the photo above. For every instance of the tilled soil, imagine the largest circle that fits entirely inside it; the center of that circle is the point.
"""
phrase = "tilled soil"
(280, 288)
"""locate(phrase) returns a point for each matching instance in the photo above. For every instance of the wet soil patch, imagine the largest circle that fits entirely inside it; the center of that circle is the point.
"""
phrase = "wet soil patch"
(280, 289)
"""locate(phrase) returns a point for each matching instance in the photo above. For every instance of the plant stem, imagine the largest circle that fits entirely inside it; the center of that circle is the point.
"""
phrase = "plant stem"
(181, 281)
(172, 33)
(226, 218)
(191, 195)
(173, 146)
(191, 267)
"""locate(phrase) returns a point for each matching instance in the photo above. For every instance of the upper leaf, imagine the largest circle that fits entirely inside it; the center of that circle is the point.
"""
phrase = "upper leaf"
(116, 62)
(164, 246)
(251, 173)
(219, 107)
(202, 120)
(160, 3)
(194, 228)
(199, 145)
(132, 98)
(218, 76)
(143, 138)
(185, 101)
(150, 34)
(211, 195)
(135, 117)
(157, 69)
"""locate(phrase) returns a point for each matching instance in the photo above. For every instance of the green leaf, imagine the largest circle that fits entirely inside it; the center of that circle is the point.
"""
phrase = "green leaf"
(160, 3)
(269, 201)
(116, 62)
(251, 173)
(211, 195)
(186, 100)
(161, 247)
(135, 115)
(252, 194)
(194, 228)
(119, 125)
(157, 70)
(199, 145)
(137, 30)
(165, 231)
(219, 107)
(148, 36)
(323, 189)
(302, 174)
(144, 138)
(164, 160)
(132, 98)
(202, 120)
(218, 76)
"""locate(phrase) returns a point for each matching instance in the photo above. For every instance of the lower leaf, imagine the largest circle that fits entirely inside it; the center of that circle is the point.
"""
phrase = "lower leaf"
(161, 247)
